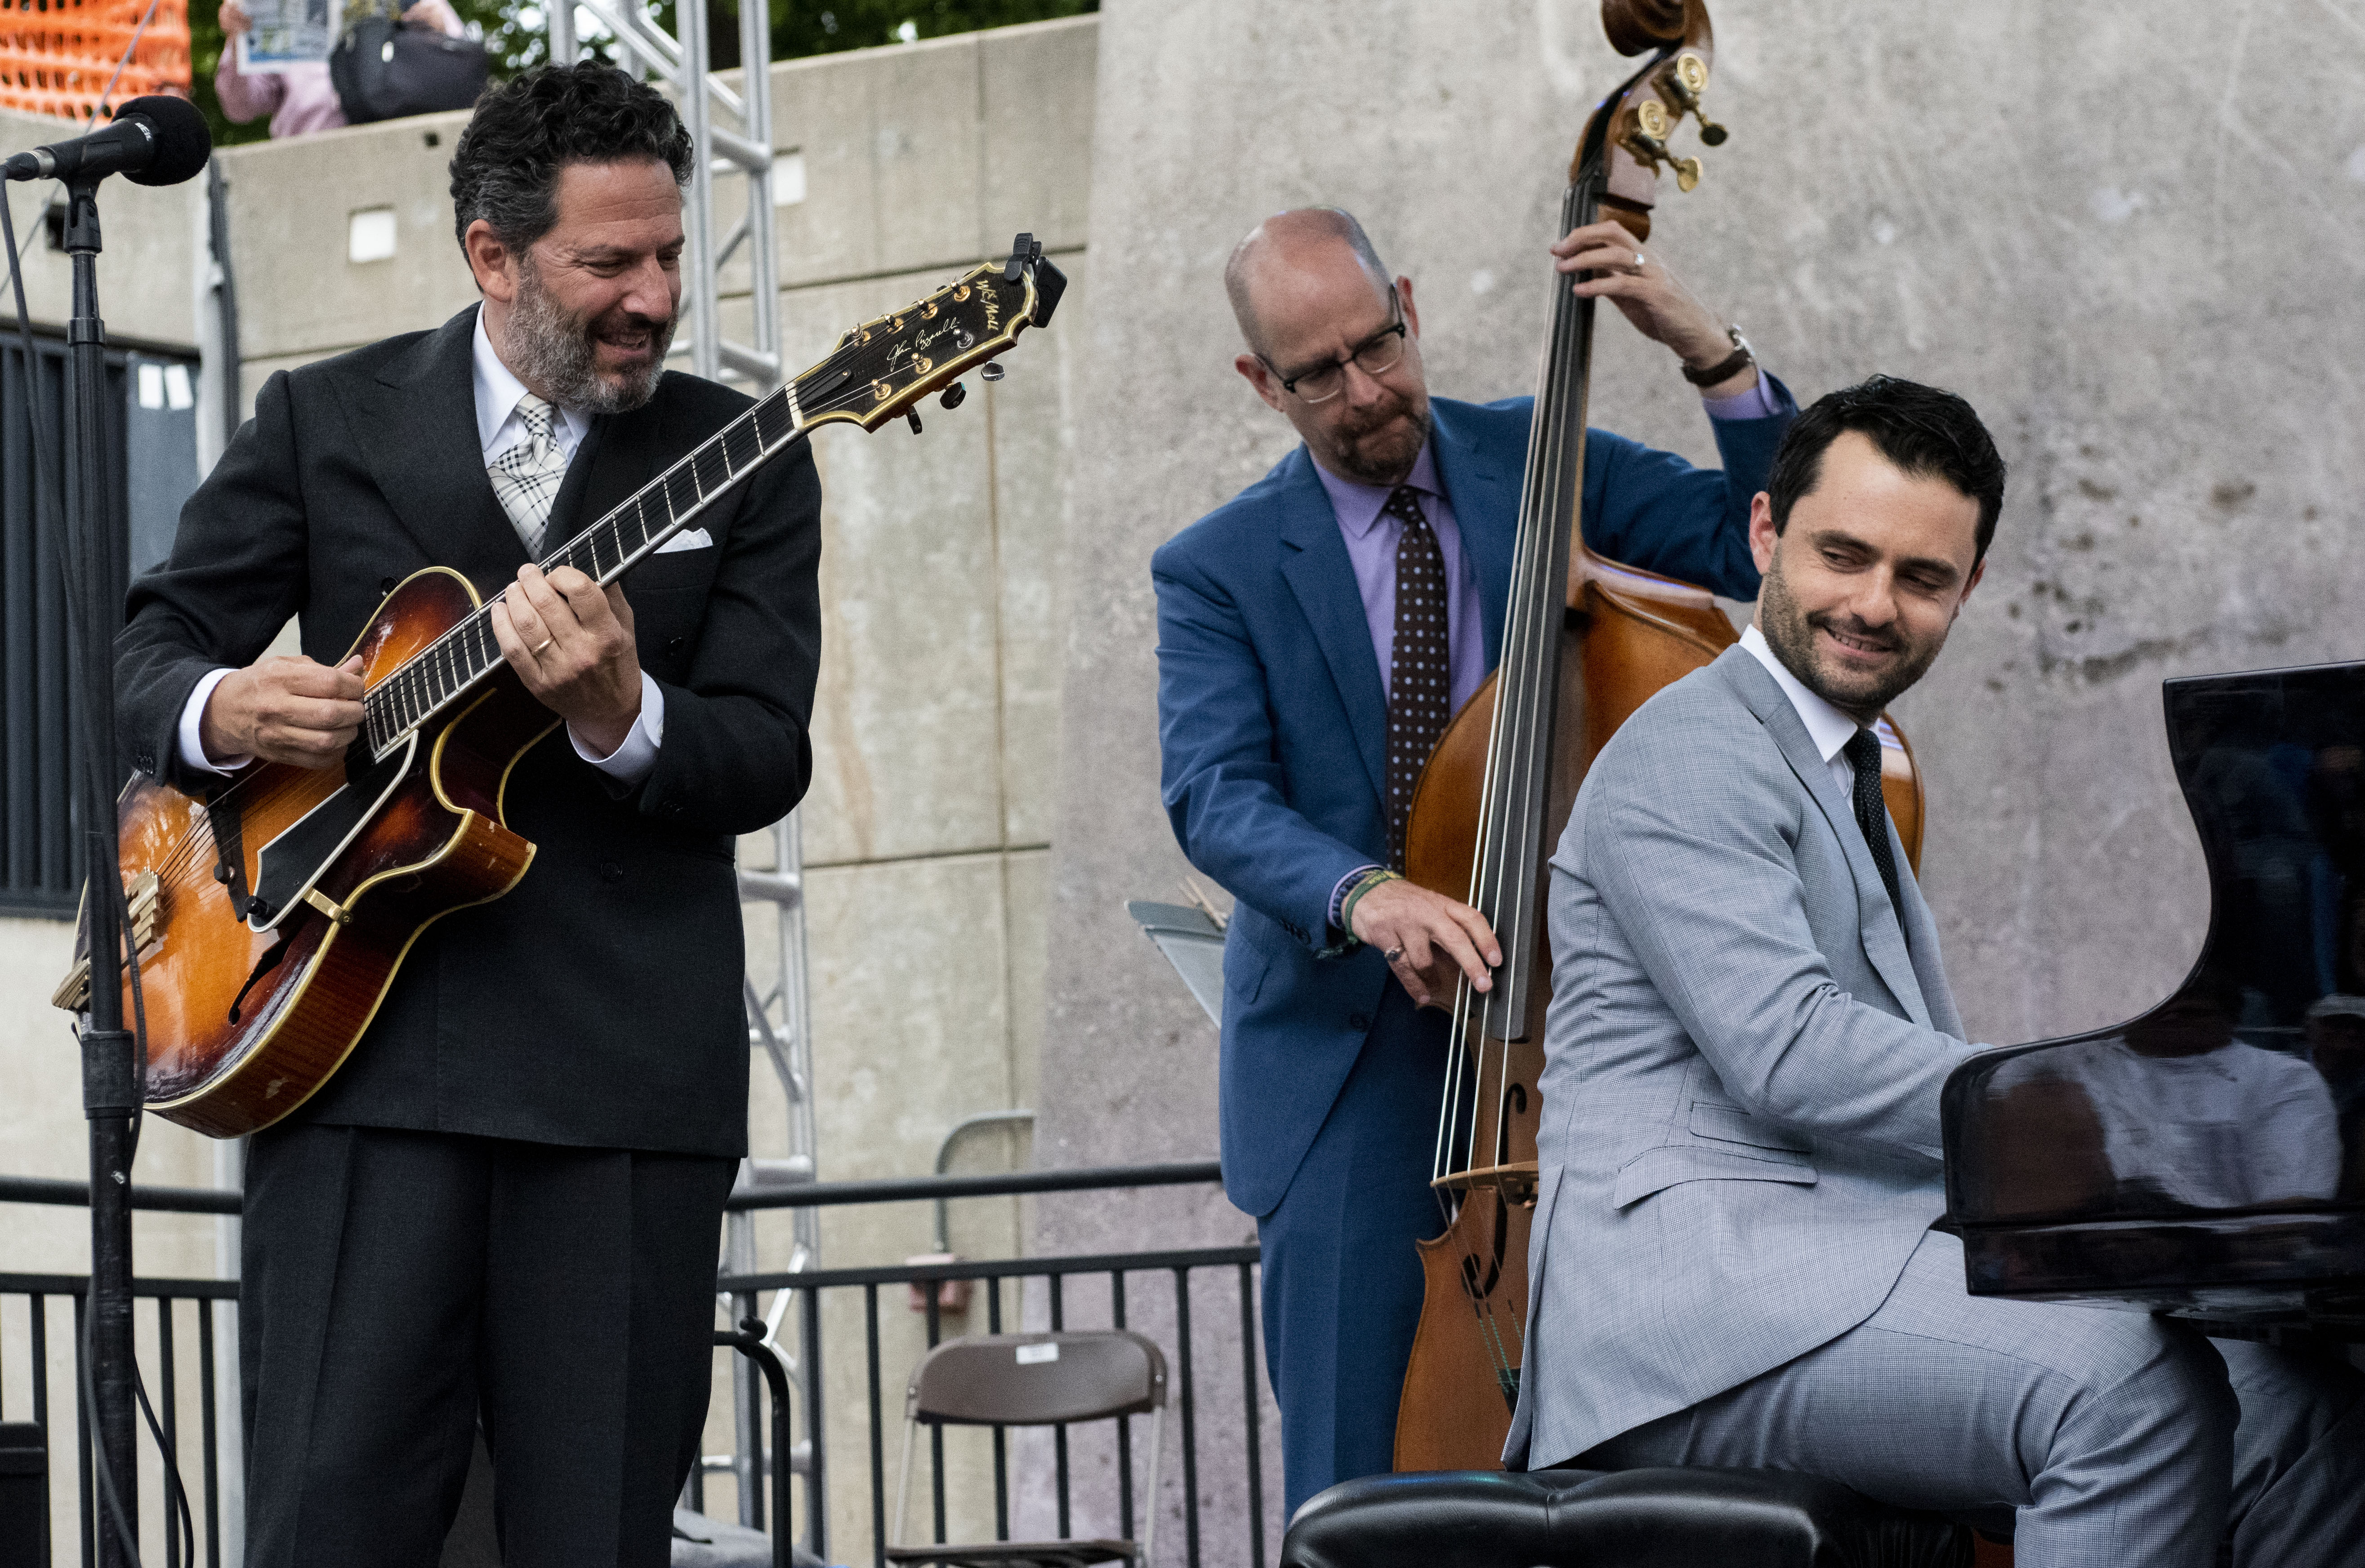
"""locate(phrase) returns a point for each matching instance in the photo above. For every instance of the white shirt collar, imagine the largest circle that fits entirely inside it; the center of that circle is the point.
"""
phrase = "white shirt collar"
(1826, 726)
(498, 394)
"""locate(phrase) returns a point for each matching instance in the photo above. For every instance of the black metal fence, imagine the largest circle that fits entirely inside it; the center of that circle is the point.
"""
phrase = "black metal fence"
(1168, 1294)
(53, 1304)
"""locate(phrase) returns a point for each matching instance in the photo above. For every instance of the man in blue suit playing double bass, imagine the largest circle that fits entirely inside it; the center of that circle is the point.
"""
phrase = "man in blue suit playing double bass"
(1314, 634)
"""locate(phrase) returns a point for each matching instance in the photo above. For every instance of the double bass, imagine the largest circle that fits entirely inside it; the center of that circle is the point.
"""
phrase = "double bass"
(1585, 643)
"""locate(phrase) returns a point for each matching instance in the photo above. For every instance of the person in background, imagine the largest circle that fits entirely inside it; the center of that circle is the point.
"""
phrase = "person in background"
(302, 99)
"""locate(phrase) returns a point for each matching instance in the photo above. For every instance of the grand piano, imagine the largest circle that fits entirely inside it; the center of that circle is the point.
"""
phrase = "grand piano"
(2207, 1159)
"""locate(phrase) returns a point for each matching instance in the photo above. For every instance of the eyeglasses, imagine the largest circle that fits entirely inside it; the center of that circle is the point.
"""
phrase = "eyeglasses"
(1376, 356)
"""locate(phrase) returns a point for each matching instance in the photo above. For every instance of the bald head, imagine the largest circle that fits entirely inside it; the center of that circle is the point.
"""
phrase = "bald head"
(1295, 247)
(1313, 298)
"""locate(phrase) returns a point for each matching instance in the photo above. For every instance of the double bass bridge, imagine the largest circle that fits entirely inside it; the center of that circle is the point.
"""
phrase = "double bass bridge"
(1516, 1182)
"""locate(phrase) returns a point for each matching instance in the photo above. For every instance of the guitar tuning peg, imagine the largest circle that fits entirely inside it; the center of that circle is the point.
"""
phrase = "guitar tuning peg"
(992, 371)
(954, 395)
(914, 415)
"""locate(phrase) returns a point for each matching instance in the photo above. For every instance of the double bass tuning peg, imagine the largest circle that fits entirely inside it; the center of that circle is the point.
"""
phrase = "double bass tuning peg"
(1648, 142)
(1683, 81)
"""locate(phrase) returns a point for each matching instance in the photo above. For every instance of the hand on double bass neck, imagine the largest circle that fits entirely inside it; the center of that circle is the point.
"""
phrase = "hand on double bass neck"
(1632, 276)
(571, 641)
(1426, 937)
(283, 709)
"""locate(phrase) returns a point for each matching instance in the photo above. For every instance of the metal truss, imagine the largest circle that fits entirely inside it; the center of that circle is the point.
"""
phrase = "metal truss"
(777, 1019)
(681, 64)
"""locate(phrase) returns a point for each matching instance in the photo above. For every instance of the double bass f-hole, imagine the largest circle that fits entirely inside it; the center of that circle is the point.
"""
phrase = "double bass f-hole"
(1514, 1107)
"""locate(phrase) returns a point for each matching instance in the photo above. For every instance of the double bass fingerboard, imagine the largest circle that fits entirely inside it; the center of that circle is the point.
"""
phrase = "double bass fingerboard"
(428, 682)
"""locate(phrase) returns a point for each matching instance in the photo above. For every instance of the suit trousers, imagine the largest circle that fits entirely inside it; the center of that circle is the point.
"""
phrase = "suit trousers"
(402, 1286)
(2112, 1437)
(1342, 1285)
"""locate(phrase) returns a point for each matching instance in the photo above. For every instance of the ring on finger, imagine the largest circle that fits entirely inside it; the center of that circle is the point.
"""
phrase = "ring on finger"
(1640, 261)
(535, 652)
(1392, 954)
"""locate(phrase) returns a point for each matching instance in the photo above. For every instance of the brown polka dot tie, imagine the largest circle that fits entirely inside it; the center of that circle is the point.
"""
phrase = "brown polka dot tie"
(1419, 689)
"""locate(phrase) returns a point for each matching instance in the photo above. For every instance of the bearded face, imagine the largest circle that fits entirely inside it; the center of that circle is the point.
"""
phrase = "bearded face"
(1862, 586)
(603, 362)
(1857, 667)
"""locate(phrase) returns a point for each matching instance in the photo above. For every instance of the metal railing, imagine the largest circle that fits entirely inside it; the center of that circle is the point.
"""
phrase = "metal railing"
(1169, 1293)
(162, 1365)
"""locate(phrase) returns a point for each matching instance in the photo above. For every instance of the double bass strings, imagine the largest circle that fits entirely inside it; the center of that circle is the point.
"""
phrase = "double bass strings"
(1518, 765)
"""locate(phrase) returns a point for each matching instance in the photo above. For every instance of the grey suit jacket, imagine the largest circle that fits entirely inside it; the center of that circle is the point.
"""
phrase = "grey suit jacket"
(1740, 1134)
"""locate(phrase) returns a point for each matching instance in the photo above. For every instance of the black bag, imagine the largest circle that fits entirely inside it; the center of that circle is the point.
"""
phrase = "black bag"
(382, 70)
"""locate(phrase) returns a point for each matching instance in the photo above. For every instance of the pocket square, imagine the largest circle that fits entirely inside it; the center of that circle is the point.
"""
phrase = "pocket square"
(689, 539)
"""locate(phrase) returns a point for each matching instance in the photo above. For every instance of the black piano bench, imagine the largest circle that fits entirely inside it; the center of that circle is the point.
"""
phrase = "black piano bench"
(1634, 1518)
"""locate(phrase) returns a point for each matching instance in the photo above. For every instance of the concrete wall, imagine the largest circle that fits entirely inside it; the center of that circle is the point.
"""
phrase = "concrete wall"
(927, 832)
(2131, 234)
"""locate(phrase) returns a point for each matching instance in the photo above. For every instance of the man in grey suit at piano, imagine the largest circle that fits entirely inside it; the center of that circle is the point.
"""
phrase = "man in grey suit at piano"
(1733, 1263)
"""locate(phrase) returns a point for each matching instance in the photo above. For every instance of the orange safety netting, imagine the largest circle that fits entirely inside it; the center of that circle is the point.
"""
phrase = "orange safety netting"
(56, 56)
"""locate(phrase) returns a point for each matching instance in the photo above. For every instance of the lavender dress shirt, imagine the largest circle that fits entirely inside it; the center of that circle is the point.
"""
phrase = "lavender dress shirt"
(1371, 538)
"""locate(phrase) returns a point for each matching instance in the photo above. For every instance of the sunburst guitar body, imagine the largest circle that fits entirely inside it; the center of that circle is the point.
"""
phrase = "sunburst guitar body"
(247, 1014)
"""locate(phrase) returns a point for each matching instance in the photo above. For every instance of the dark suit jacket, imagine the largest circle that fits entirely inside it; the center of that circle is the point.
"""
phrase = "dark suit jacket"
(599, 1002)
(1273, 723)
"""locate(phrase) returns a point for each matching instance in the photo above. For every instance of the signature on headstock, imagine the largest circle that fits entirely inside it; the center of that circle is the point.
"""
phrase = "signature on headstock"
(883, 366)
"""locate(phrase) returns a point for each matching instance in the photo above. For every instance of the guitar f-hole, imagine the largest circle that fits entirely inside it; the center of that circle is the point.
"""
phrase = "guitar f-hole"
(264, 966)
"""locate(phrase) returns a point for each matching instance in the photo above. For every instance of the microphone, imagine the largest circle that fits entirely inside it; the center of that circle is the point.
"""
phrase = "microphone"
(155, 141)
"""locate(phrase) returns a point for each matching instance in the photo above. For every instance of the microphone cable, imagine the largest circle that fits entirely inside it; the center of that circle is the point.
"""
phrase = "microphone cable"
(104, 855)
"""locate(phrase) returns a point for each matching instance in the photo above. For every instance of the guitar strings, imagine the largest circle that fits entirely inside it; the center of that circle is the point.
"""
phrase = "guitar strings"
(182, 852)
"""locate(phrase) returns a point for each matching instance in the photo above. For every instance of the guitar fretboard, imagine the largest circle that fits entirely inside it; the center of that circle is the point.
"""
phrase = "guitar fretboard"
(431, 679)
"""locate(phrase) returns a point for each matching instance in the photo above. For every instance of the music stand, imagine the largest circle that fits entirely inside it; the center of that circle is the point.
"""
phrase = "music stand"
(1193, 943)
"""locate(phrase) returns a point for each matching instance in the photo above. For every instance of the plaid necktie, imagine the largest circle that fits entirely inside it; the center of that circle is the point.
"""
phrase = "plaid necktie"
(1420, 690)
(1863, 752)
(526, 477)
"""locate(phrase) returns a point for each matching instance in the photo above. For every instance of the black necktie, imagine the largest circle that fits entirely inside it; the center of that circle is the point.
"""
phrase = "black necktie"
(1418, 692)
(1863, 751)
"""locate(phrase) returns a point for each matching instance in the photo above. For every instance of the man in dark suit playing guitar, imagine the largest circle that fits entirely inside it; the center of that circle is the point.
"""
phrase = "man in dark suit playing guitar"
(505, 1205)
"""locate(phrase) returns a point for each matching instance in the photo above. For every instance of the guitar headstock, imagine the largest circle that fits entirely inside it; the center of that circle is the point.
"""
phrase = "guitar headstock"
(884, 368)
(1629, 133)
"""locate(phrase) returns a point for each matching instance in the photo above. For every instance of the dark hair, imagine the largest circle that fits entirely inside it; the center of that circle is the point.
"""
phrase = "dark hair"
(528, 129)
(1928, 432)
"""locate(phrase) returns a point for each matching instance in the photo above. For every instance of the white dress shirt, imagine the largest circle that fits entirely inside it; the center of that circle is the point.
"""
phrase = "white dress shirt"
(1826, 726)
(498, 428)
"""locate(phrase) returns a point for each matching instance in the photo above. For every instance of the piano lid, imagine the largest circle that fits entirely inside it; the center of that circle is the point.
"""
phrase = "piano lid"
(2207, 1156)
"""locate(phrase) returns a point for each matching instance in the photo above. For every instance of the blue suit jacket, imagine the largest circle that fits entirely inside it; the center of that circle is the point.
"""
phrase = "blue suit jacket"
(1273, 720)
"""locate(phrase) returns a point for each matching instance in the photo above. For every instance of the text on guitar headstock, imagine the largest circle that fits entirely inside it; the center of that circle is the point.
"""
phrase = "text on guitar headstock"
(885, 366)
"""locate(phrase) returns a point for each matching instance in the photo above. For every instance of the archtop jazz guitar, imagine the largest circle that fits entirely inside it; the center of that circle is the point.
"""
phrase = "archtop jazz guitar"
(270, 919)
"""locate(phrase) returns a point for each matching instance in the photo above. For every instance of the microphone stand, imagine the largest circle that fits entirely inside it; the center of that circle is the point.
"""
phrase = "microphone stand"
(111, 1089)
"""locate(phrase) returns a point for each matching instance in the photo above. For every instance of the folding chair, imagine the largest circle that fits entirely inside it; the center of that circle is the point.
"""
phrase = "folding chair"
(1034, 1380)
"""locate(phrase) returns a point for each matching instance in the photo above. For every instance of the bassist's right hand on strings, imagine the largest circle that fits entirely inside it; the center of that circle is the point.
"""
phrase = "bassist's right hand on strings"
(284, 708)
(1428, 936)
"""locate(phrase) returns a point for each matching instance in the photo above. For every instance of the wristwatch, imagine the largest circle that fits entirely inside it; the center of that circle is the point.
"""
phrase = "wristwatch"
(1724, 369)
